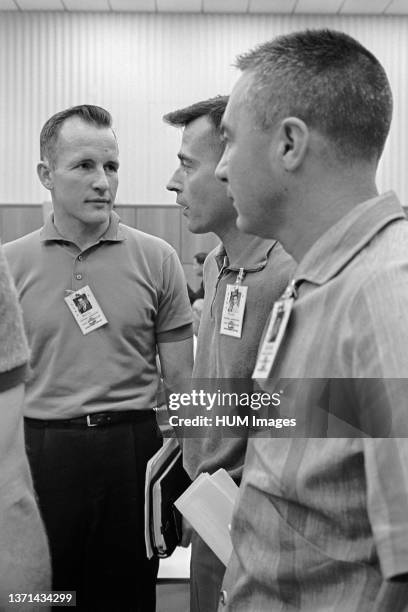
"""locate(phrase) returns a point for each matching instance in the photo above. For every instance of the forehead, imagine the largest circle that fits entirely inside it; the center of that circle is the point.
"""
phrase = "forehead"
(77, 136)
(200, 139)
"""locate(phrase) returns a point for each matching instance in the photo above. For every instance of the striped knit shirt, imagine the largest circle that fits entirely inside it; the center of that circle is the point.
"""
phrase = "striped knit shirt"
(321, 523)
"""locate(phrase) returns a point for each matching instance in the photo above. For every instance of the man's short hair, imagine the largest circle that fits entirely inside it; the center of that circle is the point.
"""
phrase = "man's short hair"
(200, 257)
(327, 79)
(213, 108)
(95, 115)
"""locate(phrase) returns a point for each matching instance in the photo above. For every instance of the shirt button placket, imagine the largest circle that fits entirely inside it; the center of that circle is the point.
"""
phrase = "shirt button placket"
(78, 275)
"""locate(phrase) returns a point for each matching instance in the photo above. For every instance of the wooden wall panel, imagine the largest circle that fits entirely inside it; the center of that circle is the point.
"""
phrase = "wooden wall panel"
(195, 243)
(164, 223)
(17, 220)
(127, 214)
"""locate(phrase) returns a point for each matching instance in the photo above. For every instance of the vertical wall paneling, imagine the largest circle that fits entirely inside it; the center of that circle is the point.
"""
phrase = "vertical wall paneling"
(18, 220)
(163, 221)
(141, 66)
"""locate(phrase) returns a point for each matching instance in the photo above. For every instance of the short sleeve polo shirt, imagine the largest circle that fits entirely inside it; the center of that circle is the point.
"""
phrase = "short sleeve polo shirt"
(139, 283)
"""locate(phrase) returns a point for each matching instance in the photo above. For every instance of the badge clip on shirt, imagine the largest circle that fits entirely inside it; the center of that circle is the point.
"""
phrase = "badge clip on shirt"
(274, 334)
(85, 310)
(234, 307)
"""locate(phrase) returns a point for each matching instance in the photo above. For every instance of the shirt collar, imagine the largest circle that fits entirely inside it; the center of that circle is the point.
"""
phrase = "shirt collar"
(114, 233)
(341, 243)
(252, 259)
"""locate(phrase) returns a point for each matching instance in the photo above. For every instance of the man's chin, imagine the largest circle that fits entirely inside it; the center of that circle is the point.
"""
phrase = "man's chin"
(248, 226)
(195, 228)
(97, 216)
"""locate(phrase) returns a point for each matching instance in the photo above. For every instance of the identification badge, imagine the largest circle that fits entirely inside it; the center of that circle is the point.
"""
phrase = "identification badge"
(233, 310)
(85, 310)
(274, 334)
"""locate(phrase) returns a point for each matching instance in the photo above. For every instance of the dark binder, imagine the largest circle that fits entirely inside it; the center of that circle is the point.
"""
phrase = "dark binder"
(166, 480)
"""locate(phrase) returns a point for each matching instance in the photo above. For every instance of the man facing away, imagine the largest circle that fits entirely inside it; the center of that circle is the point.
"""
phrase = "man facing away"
(90, 427)
(322, 522)
(260, 266)
(198, 265)
(24, 556)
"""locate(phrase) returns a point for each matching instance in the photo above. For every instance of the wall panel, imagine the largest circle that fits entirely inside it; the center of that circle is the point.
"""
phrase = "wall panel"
(163, 221)
(166, 225)
(17, 220)
(140, 66)
(195, 243)
(128, 214)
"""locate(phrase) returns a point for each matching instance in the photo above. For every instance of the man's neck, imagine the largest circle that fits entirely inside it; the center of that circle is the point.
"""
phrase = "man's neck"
(234, 241)
(83, 236)
(309, 222)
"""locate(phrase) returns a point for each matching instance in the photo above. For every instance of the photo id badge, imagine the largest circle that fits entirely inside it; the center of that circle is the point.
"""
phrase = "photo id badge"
(273, 337)
(85, 310)
(233, 310)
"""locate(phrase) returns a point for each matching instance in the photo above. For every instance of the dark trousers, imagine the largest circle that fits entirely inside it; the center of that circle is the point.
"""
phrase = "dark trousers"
(90, 487)
(206, 576)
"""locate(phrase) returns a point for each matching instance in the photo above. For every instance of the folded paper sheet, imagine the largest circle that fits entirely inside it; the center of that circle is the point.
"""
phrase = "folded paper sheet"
(208, 504)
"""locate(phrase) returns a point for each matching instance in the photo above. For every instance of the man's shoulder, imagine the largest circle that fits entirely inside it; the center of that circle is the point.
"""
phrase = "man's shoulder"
(145, 241)
(384, 259)
(25, 246)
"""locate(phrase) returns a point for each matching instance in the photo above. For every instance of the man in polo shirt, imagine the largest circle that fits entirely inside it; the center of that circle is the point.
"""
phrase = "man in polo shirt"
(24, 556)
(223, 359)
(322, 519)
(90, 425)
(198, 265)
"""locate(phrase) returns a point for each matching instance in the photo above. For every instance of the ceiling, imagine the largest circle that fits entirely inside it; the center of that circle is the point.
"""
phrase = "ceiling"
(331, 7)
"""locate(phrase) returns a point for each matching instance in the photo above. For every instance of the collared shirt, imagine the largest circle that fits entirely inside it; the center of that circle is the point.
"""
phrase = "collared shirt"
(222, 361)
(138, 281)
(322, 524)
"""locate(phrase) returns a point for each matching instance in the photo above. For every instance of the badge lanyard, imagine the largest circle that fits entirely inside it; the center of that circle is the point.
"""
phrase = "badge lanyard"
(234, 307)
(275, 332)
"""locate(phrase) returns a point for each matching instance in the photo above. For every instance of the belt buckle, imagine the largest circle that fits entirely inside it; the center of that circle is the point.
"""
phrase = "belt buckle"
(88, 421)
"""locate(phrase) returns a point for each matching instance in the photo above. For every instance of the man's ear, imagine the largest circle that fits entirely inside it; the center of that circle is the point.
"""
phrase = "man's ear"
(45, 174)
(294, 139)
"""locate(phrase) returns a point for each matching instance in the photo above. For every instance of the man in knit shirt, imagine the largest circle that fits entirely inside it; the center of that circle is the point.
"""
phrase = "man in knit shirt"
(89, 418)
(321, 521)
(265, 269)
(24, 558)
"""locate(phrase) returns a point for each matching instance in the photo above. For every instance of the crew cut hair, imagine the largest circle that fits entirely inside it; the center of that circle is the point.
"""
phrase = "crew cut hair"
(327, 79)
(213, 108)
(95, 115)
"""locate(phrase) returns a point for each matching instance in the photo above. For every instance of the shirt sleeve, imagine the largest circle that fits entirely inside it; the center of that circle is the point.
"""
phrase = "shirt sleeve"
(174, 306)
(380, 377)
(386, 466)
(176, 335)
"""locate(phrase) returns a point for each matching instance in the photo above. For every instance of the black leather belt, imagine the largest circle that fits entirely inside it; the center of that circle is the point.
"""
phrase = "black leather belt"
(97, 419)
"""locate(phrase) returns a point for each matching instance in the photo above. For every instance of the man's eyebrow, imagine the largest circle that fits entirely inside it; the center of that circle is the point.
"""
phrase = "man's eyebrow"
(81, 159)
(184, 158)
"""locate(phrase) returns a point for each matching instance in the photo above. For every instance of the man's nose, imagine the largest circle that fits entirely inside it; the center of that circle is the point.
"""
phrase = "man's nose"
(221, 169)
(174, 183)
(101, 182)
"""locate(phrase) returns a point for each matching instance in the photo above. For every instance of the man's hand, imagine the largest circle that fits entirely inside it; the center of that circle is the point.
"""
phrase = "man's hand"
(187, 532)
